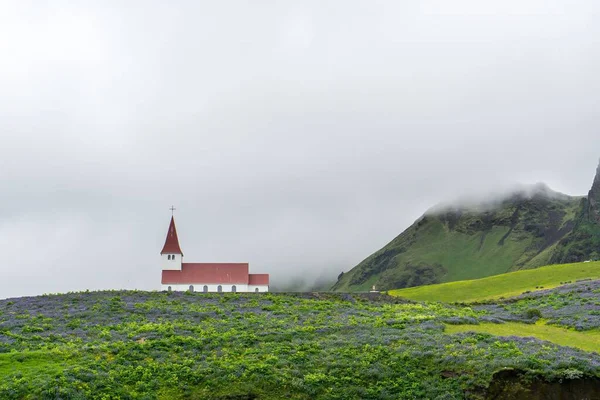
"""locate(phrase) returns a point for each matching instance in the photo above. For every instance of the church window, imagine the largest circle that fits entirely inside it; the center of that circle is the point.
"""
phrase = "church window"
(169, 257)
(169, 288)
(191, 288)
(205, 289)
(219, 288)
(233, 289)
(256, 290)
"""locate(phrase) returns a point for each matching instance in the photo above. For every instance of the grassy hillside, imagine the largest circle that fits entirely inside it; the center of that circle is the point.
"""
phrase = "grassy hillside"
(529, 228)
(520, 232)
(589, 340)
(506, 285)
(151, 345)
(568, 315)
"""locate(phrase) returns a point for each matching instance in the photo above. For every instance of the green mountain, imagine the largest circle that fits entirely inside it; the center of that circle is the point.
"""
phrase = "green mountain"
(528, 228)
(584, 242)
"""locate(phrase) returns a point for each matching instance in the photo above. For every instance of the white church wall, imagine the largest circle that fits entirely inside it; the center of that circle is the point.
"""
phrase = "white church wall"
(171, 262)
(212, 288)
(261, 288)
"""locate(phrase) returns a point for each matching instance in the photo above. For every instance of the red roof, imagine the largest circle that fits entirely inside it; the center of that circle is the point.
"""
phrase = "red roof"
(258, 279)
(194, 273)
(172, 242)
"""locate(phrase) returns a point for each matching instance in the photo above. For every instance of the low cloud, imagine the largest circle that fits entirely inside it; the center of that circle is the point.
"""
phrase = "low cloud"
(298, 138)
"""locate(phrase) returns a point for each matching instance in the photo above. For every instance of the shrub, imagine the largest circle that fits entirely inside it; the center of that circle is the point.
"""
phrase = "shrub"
(533, 313)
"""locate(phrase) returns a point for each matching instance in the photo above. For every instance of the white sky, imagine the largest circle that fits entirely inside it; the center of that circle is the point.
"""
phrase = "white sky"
(297, 136)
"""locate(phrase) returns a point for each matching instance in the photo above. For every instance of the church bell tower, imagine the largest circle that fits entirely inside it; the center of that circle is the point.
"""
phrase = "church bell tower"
(171, 255)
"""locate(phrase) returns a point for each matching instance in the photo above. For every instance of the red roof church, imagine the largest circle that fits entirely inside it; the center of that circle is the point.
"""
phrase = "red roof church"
(205, 277)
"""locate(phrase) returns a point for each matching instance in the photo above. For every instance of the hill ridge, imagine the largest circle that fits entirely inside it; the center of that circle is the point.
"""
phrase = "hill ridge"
(526, 228)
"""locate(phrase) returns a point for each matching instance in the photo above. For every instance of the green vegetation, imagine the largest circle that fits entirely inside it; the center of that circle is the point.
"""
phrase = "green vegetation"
(526, 229)
(151, 345)
(584, 242)
(32, 363)
(505, 285)
(519, 232)
(587, 340)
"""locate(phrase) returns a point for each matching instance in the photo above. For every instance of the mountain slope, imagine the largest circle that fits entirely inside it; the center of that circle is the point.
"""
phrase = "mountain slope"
(527, 229)
(584, 242)
(449, 244)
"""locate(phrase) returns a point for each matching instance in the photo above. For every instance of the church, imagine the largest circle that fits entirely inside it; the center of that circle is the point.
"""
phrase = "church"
(205, 277)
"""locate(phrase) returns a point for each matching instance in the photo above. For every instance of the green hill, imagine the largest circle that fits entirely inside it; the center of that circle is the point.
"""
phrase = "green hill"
(505, 285)
(244, 346)
(526, 229)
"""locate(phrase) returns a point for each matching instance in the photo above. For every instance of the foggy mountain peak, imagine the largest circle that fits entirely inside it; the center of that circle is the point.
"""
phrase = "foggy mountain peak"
(495, 199)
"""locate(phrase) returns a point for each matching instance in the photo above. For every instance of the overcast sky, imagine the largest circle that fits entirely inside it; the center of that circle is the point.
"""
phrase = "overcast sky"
(299, 136)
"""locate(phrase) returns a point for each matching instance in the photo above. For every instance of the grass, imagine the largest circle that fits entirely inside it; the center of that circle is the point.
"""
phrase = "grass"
(32, 363)
(505, 285)
(157, 345)
(588, 340)
(463, 255)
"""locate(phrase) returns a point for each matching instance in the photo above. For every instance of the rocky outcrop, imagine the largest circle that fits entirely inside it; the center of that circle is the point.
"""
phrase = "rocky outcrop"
(516, 385)
(584, 241)
(593, 200)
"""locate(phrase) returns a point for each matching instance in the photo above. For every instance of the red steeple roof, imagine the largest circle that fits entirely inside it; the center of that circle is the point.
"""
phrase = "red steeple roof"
(172, 242)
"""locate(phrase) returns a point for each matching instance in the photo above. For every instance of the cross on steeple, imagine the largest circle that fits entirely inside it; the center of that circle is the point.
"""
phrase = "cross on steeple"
(172, 210)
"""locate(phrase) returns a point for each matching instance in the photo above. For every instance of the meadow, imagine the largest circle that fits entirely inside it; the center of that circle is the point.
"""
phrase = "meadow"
(504, 285)
(161, 345)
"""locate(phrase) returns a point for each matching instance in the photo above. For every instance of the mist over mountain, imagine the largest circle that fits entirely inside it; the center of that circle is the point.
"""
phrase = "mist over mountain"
(494, 199)
(526, 227)
(296, 136)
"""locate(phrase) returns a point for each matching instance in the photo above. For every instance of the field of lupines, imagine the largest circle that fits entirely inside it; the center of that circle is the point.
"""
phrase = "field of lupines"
(574, 305)
(149, 345)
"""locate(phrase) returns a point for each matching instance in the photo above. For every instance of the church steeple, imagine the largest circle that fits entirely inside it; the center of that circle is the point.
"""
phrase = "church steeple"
(172, 241)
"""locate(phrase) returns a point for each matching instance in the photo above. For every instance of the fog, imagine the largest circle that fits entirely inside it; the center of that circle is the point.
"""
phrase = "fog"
(297, 136)
(492, 200)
